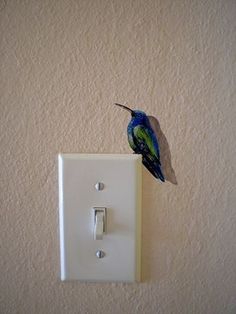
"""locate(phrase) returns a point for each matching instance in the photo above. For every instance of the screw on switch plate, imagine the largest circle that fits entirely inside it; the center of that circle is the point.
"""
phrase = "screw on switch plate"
(99, 186)
(100, 254)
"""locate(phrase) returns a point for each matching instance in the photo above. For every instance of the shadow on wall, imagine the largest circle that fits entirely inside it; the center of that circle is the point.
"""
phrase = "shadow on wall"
(169, 172)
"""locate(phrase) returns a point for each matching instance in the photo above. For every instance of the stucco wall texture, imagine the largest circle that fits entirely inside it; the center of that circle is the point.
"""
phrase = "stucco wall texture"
(63, 64)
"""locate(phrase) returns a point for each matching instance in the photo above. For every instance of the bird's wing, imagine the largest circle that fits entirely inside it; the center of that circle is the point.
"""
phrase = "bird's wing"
(131, 141)
(146, 142)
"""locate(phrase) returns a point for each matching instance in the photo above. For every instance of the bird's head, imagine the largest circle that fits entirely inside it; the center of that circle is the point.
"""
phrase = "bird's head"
(136, 114)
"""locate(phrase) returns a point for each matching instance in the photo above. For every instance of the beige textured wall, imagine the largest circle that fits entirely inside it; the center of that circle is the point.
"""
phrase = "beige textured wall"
(63, 64)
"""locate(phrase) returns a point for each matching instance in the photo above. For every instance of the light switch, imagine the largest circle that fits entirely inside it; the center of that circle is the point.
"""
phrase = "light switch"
(100, 217)
(99, 222)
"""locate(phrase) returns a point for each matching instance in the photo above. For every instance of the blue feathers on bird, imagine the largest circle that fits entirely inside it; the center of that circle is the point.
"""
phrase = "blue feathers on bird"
(142, 139)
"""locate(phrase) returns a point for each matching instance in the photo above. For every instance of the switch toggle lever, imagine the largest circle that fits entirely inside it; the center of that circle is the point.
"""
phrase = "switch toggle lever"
(99, 222)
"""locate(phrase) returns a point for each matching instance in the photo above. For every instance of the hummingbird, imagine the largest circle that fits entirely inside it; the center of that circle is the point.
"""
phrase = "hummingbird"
(143, 140)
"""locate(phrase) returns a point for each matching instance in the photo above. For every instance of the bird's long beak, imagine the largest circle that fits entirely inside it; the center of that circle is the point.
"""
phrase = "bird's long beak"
(126, 108)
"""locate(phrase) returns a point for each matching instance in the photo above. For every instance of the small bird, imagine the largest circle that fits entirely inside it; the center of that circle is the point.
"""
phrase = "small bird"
(142, 140)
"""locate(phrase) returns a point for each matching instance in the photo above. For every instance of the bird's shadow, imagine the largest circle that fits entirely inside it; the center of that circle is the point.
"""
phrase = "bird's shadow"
(165, 154)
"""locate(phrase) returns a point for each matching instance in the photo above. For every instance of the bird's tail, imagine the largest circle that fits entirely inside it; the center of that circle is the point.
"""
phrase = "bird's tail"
(160, 173)
(154, 168)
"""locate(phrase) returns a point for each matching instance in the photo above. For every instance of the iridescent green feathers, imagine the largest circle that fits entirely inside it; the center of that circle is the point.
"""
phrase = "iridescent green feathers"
(144, 139)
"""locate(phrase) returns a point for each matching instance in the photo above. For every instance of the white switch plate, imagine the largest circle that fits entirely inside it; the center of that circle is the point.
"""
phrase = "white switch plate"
(121, 196)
